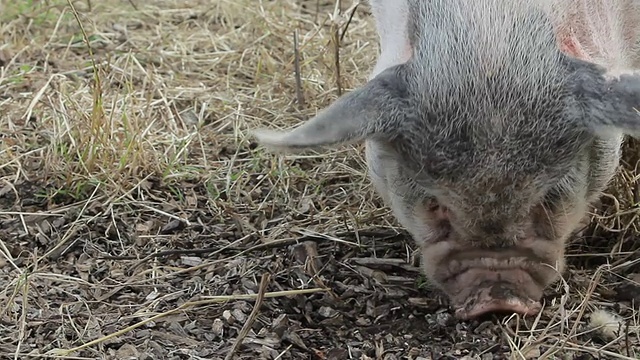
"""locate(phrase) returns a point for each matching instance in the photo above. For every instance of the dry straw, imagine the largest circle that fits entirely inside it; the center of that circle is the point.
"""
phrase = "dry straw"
(131, 198)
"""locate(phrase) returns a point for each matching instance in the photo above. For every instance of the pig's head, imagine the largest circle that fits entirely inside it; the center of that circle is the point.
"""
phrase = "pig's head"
(489, 162)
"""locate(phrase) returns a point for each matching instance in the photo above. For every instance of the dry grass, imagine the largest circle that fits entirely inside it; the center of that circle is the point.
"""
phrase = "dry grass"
(137, 220)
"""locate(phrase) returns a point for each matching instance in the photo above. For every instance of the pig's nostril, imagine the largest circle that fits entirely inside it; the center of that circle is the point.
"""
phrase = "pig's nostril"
(492, 305)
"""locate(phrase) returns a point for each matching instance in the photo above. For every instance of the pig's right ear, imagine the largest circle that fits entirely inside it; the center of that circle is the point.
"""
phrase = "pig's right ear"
(372, 109)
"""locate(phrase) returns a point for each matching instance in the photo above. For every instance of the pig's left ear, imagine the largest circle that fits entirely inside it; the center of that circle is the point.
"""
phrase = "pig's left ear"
(623, 94)
(611, 102)
(375, 108)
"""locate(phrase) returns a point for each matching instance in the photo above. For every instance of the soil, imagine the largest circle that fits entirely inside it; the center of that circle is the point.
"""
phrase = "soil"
(377, 306)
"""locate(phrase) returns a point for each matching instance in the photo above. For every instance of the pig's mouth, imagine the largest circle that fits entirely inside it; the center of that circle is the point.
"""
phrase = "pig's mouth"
(484, 304)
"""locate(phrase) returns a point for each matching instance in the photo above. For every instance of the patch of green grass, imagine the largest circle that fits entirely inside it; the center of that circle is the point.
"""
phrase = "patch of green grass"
(39, 12)
(422, 282)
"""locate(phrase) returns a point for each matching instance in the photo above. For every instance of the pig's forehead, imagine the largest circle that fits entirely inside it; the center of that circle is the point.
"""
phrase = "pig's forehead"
(449, 154)
(525, 168)
(492, 136)
(477, 185)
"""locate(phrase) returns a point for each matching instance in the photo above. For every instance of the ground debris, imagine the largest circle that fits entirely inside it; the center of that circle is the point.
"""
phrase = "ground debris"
(120, 225)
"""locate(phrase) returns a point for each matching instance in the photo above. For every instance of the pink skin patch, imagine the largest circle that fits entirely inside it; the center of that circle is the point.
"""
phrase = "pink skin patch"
(490, 305)
(492, 290)
(570, 45)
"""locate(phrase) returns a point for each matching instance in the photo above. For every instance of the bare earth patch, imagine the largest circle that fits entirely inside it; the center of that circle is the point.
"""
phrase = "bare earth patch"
(138, 221)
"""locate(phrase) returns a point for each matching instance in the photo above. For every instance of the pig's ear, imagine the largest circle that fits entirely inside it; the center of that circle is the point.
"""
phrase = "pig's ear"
(374, 108)
(623, 97)
(610, 102)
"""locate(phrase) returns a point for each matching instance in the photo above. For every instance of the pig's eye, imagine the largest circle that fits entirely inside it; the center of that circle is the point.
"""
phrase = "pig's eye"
(431, 204)
(438, 217)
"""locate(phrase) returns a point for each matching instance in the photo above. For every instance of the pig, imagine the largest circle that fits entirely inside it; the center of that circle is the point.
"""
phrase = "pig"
(490, 127)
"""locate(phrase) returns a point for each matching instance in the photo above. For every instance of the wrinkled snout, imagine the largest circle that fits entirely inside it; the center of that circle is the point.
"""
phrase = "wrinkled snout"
(498, 298)
(483, 291)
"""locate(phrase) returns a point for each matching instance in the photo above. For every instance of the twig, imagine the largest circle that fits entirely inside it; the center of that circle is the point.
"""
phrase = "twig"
(376, 235)
(296, 62)
(353, 12)
(626, 339)
(596, 352)
(252, 317)
(133, 5)
(175, 217)
(217, 250)
(381, 236)
(165, 253)
(335, 39)
(283, 352)
(382, 264)
(306, 236)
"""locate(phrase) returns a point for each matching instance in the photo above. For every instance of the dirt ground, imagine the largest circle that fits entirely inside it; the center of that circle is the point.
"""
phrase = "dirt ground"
(138, 220)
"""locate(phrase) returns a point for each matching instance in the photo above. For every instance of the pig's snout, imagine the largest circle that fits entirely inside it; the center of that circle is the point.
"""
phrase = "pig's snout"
(498, 298)
(479, 291)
